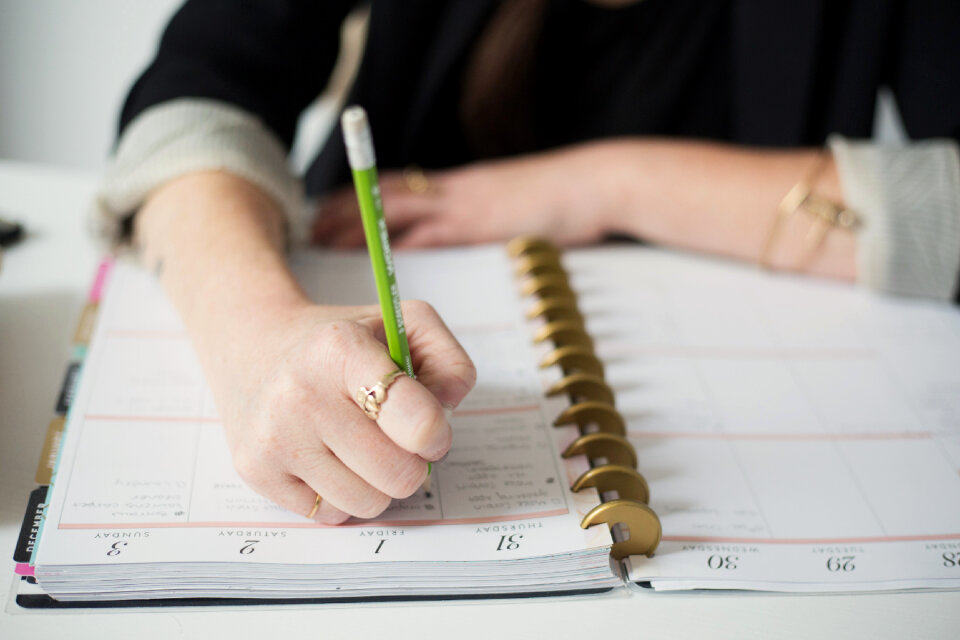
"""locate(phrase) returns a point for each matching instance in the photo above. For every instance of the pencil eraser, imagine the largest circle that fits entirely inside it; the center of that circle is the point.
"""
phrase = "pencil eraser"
(357, 138)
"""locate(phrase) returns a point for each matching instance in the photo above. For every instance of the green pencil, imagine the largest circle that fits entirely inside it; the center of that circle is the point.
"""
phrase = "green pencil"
(363, 164)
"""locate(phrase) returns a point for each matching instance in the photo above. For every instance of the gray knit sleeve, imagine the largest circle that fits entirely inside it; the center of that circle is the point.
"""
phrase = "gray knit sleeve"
(909, 199)
(186, 135)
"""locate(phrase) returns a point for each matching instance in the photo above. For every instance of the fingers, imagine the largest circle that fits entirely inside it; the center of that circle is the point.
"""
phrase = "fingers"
(302, 499)
(402, 209)
(432, 233)
(308, 436)
(365, 449)
(288, 491)
(338, 222)
(442, 365)
(348, 237)
(340, 488)
(410, 416)
(373, 471)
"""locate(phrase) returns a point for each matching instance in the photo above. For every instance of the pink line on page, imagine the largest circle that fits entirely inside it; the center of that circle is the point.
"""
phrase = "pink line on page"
(754, 353)
(785, 437)
(923, 538)
(158, 335)
(492, 410)
(312, 525)
(100, 281)
(466, 412)
(23, 569)
(94, 416)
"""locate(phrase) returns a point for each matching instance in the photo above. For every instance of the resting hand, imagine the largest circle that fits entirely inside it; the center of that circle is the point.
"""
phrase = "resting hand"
(555, 195)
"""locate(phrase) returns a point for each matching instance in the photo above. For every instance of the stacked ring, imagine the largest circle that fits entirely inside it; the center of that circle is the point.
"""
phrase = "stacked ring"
(371, 400)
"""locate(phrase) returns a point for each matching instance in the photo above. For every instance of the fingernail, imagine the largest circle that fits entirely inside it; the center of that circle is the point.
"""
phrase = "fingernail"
(437, 453)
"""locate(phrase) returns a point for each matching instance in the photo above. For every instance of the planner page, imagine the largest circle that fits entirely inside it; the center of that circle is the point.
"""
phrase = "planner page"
(796, 434)
(145, 476)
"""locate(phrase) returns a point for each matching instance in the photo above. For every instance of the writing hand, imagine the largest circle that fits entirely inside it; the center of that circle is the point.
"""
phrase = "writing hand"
(295, 430)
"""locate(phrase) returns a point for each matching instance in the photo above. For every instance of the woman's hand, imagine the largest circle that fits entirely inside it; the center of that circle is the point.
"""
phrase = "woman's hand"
(700, 196)
(284, 372)
(286, 397)
(559, 195)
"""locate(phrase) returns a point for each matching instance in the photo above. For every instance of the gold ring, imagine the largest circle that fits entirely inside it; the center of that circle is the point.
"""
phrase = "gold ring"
(370, 399)
(416, 179)
(316, 505)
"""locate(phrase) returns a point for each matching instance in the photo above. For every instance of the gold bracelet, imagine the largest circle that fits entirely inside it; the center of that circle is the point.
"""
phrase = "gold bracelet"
(826, 215)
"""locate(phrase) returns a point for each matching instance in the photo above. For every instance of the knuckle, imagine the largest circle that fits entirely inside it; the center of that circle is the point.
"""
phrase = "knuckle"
(277, 400)
(266, 438)
(310, 458)
(372, 505)
(337, 517)
(407, 479)
(425, 423)
(339, 337)
(336, 341)
(248, 466)
(310, 461)
(466, 373)
(420, 309)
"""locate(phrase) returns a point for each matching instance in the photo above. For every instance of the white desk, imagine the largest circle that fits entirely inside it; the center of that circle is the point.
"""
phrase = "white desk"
(42, 286)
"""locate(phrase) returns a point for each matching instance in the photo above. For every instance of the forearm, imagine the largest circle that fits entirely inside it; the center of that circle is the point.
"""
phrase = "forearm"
(719, 199)
(284, 372)
(216, 243)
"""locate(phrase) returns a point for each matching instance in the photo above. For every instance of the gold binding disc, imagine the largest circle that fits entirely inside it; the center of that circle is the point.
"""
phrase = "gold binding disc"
(626, 481)
(563, 333)
(574, 358)
(538, 264)
(546, 285)
(583, 386)
(526, 245)
(555, 308)
(640, 520)
(615, 449)
(587, 413)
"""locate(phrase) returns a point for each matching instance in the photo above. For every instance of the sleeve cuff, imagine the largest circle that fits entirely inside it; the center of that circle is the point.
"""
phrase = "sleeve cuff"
(909, 200)
(184, 136)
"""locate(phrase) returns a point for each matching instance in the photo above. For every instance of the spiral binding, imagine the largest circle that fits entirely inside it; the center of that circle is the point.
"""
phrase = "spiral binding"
(602, 429)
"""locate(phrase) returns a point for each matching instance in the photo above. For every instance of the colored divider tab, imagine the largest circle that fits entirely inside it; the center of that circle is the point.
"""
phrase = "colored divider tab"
(32, 521)
(100, 281)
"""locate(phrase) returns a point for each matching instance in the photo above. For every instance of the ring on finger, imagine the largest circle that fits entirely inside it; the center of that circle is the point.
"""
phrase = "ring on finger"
(415, 179)
(371, 400)
(316, 505)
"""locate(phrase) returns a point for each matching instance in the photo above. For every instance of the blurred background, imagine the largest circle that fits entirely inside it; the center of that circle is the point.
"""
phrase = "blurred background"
(65, 66)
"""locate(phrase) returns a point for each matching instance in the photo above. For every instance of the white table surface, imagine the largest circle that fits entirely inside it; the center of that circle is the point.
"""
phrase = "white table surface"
(43, 281)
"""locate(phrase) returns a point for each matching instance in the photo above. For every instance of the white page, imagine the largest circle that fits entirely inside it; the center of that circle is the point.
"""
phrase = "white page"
(796, 434)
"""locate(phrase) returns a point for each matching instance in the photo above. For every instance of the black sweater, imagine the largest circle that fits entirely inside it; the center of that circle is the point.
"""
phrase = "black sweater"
(751, 72)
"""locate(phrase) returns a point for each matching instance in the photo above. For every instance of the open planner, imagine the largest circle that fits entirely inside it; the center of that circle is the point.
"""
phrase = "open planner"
(640, 417)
